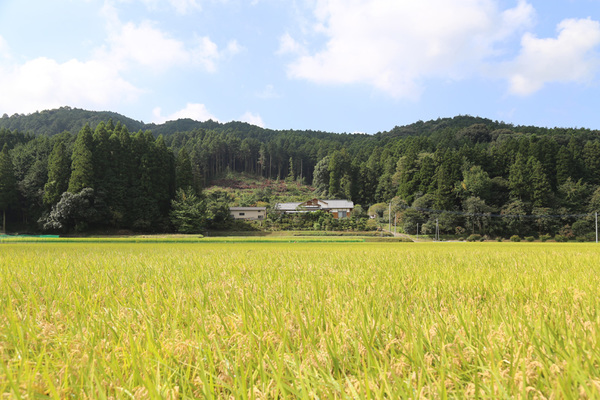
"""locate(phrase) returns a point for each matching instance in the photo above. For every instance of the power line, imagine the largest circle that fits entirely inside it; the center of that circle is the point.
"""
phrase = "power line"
(492, 215)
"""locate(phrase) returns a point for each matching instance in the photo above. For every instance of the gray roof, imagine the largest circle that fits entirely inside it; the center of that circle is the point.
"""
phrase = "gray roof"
(287, 206)
(339, 203)
(330, 204)
(247, 208)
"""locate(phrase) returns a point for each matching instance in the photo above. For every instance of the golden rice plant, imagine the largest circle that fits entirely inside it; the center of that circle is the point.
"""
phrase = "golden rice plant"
(299, 320)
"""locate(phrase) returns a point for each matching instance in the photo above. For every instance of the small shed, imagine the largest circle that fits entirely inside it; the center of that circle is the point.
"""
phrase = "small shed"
(248, 213)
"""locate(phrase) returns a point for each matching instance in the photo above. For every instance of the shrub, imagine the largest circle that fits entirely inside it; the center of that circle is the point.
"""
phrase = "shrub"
(499, 239)
(561, 238)
(544, 238)
(515, 238)
(590, 237)
(567, 232)
(474, 238)
(529, 238)
(581, 239)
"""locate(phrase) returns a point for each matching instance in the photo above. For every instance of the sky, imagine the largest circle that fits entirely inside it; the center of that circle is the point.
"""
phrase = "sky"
(328, 65)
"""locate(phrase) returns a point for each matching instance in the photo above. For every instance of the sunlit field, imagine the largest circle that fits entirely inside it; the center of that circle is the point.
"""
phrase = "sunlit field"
(299, 320)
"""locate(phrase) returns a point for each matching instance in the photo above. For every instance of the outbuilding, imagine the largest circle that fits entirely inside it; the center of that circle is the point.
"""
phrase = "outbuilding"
(248, 213)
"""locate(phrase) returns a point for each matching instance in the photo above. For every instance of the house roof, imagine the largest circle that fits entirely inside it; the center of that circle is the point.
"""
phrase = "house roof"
(323, 205)
(287, 206)
(338, 203)
(247, 208)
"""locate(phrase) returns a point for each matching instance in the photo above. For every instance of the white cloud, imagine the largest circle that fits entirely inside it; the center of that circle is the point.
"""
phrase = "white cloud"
(184, 6)
(146, 46)
(570, 57)
(288, 45)
(99, 81)
(394, 44)
(268, 92)
(195, 111)
(44, 83)
(253, 119)
(4, 49)
(207, 54)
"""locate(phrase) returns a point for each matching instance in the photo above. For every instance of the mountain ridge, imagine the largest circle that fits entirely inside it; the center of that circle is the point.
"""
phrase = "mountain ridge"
(55, 121)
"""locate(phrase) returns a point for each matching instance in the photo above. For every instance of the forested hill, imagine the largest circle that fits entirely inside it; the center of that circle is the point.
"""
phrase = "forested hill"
(56, 121)
(465, 168)
(53, 122)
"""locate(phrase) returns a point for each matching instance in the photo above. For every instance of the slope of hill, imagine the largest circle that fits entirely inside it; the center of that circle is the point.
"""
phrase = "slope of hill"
(52, 122)
(469, 170)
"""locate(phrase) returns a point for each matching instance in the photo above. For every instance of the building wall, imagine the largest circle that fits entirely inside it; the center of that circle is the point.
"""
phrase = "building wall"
(252, 215)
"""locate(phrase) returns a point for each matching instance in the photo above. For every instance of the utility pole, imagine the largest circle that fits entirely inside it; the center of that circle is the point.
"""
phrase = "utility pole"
(437, 230)
(417, 231)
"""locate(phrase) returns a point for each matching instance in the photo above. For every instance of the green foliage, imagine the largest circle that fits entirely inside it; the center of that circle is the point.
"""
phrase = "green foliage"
(444, 164)
(8, 184)
(184, 175)
(59, 172)
(217, 209)
(82, 166)
(561, 238)
(188, 212)
(474, 238)
(377, 210)
(477, 182)
(515, 238)
(529, 238)
(76, 211)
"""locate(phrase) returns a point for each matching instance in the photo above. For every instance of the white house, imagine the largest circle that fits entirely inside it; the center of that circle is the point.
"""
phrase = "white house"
(339, 208)
(249, 213)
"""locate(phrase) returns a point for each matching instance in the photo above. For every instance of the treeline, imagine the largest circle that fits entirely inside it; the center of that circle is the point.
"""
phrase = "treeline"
(102, 178)
(459, 173)
(476, 179)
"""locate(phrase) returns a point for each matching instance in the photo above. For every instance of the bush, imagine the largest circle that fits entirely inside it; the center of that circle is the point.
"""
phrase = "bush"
(515, 238)
(590, 237)
(581, 239)
(544, 238)
(561, 238)
(474, 238)
(581, 227)
(499, 239)
(567, 232)
(529, 238)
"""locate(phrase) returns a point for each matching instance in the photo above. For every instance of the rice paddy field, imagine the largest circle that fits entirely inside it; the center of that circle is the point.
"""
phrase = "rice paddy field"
(299, 320)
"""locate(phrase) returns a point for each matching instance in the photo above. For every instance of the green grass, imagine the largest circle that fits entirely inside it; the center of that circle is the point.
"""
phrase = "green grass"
(299, 320)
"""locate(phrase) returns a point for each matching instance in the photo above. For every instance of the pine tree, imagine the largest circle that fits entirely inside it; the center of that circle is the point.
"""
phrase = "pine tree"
(591, 158)
(184, 176)
(82, 167)
(8, 184)
(443, 194)
(59, 171)
(102, 159)
(565, 165)
(518, 178)
(540, 187)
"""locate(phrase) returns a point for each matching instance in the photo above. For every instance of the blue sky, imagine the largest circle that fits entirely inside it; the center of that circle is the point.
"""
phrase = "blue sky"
(330, 65)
